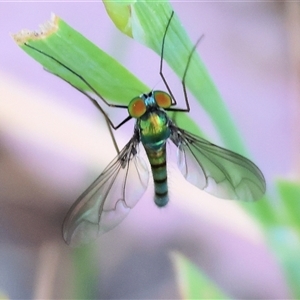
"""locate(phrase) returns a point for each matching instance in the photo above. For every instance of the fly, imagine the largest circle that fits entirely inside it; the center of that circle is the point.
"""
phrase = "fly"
(116, 191)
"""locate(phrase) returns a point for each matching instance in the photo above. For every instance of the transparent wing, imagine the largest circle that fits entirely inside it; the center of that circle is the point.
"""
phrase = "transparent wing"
(218, 171)
(109, 198)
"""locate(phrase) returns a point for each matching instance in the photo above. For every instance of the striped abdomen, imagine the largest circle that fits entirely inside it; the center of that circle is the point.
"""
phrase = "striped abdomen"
(157, 159)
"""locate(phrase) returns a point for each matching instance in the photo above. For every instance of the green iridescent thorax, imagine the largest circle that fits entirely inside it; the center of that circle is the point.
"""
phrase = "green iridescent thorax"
(154, 129)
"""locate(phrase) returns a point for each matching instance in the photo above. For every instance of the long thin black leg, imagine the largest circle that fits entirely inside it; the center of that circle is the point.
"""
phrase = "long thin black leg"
(162, 59)
(76, 74)
(123, 122)
(185, 72)
(187, 109)
(95, 102)
(109, 123)
(115, 127)
(112, 135)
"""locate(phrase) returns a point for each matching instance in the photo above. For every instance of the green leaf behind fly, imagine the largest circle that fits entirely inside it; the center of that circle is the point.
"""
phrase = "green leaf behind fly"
(66, 53)
(147, 23)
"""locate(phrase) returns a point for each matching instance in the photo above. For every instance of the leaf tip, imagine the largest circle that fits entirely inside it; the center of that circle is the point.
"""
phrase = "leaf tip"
(120, 14)
(44, 31)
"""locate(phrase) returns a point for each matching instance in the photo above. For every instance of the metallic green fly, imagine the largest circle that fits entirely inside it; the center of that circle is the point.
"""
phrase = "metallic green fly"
(112, 195)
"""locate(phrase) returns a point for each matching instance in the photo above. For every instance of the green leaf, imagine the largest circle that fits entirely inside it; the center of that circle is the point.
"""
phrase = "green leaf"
(120, 13)
(282, 227)
(290, 194)
(193, 284)
(263, 210)
(286, 237)
(86, 273)
(285, 242)
(147, 23)
(64, 52)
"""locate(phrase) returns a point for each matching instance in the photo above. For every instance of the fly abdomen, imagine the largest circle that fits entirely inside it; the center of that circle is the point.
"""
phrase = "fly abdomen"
(161, 191)
(157, 159)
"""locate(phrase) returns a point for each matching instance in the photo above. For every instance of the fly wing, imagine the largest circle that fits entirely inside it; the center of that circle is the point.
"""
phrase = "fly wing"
(109, 198)
(218, 171)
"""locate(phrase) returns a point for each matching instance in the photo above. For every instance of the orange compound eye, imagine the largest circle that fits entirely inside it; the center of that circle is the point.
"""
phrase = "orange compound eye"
(162, 99)
(136, 107)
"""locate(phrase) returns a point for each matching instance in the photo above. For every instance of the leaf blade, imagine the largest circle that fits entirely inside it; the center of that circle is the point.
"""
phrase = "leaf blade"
(60, 48)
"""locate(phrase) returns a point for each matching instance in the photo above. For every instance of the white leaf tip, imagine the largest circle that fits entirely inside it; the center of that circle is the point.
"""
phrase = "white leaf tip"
(44, 31)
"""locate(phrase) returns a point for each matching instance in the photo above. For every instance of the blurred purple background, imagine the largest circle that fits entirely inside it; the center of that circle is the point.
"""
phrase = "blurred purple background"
(53, 143)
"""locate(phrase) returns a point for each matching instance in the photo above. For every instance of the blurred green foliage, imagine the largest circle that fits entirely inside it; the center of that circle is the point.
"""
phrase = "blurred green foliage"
(192, 283)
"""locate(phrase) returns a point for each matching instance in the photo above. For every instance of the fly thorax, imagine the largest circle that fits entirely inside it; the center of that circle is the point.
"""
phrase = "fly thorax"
(154, 129)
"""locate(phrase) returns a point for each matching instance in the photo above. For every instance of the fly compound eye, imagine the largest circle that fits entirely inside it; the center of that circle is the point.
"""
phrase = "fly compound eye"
(162, 99)
(137, 107)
